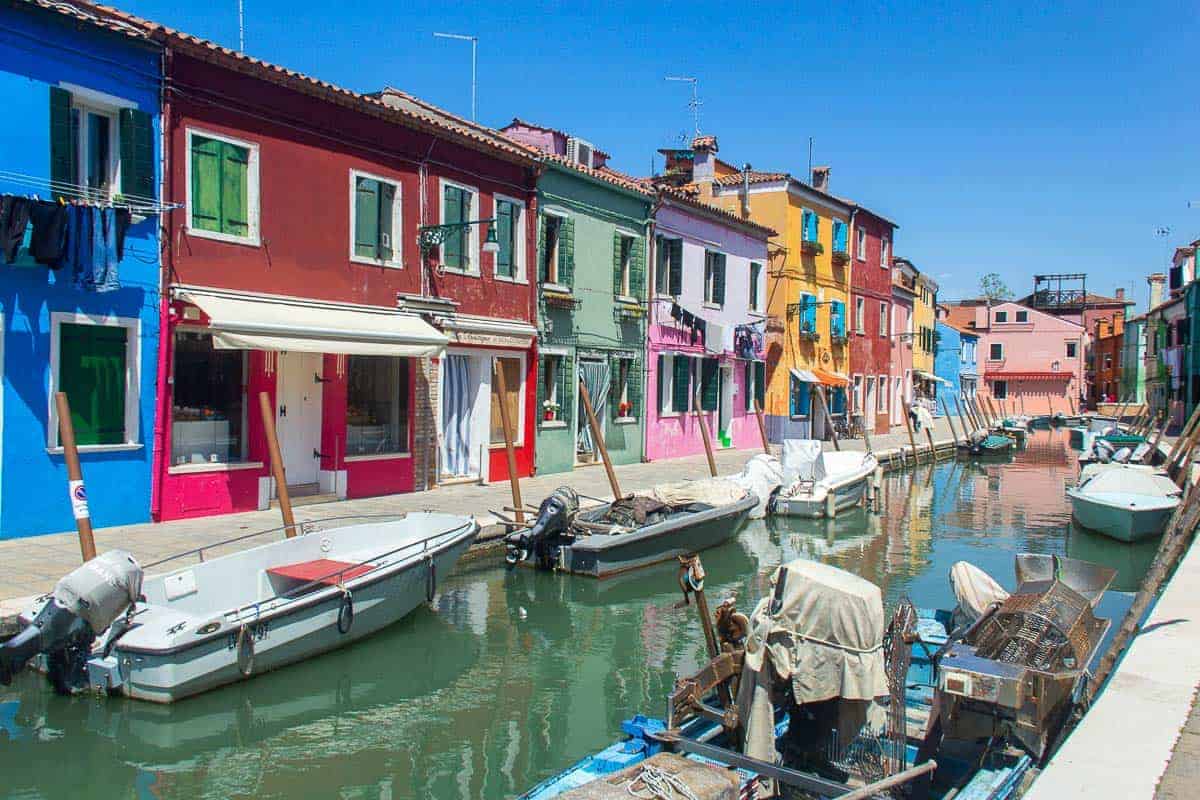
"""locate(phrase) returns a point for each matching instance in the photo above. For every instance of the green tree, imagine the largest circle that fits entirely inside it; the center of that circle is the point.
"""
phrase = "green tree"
(993, 287)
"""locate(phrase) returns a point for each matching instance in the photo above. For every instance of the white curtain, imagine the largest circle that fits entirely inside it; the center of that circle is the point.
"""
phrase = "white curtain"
(456, 417)
(597, 377)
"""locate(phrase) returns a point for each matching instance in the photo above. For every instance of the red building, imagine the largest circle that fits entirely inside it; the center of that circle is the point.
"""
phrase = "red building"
(293, 267)
(872, 237)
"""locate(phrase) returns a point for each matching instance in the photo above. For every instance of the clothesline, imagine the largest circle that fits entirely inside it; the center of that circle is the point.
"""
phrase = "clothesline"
(135, 203)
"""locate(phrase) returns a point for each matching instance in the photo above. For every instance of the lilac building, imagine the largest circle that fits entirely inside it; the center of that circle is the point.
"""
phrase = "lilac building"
(707, 320)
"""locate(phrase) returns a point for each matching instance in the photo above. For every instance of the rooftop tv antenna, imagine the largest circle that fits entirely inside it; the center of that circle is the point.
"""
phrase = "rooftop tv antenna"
(695, 102)
(241, 26)
(474, 40)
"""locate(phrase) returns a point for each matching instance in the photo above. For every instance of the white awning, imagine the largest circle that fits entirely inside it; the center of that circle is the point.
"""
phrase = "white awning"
(804, 376)
(931, 377)
(465, 329)
(268, 322)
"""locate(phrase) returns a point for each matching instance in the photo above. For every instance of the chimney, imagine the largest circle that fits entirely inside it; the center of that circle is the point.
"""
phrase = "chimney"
(746, 169)
(1157, 282)
(820, 179)
(1120, 293)
(704, 158)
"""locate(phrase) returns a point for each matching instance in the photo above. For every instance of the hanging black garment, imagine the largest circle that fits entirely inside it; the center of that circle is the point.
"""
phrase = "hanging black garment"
(14, 216)
(48, 244)
(676, 312)
(124, 218)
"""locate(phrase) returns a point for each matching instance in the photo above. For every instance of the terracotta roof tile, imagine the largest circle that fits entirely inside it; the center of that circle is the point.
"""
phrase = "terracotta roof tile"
(755, 177)
(691, 199)
(606, 174)
(428, 118)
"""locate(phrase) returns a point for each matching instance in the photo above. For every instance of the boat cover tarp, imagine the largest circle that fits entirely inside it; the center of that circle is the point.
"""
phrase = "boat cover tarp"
(974, 589)
(761, 476)
(825, 639)
(1130, 482)
(711, 491)
(803, 458)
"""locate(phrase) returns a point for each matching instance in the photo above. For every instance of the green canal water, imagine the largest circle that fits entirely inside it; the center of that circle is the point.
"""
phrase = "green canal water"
(509, 677)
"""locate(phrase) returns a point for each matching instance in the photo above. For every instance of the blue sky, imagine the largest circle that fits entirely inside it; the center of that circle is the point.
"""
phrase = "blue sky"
(1012, 138)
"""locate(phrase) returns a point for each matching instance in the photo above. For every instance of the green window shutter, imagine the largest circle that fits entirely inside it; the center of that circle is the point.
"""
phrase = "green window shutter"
(614, 386)
(681, 380)
(366, 217)
(755, 269)
(709, 384)
(633, 380)
(539, 410)
(91, 370)
(206, 184)
(387, 205)
(676, 278)
(617, 288)
(504, 232)
(543, 260)
(662, 258)
(566, 252)
(637, 269)
(452, 246)
(660, 379)
(568, 380)
(747, 382)
(719, 279)
(62, 141)
(760, 383)
(137, 153)
(235, 170)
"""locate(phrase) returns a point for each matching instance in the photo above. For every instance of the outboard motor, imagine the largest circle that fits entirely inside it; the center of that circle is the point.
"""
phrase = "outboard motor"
(84, 604)
(1104, 451)
(547, 532)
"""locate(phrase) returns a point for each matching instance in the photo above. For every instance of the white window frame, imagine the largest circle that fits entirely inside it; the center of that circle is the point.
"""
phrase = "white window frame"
(857, 407)
(1001, 317)
(883, 253)
(520, 273)
(709, 297)
(132, 326)
(86, 105)
(557, 355)
(884, 316)
(999, 357)
(253, 210)
(1017, 316)
(554, 285)
(860, 313)
(666, 385)
(883, 388)
(624, 398)
(397, 259)
(1074, 345)
(473, 230)
(861, 243)
(627, 291)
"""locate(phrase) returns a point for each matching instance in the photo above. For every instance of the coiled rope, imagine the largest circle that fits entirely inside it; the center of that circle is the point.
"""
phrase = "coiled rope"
(657, 784)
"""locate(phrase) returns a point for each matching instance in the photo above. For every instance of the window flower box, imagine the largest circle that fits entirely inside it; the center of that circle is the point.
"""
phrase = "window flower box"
(811, 247)
(550, 410)
(555, 298)
(838, 337)
(840, 258)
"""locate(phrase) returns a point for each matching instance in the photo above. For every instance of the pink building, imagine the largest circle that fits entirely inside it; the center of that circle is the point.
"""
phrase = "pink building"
(1032, 362)
(708, 291)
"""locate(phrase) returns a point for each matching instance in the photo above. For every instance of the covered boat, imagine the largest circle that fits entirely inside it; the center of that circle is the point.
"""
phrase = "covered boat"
(1125, 503)
(635, 531)
(982, 443)
(820, 481)
(226, 619)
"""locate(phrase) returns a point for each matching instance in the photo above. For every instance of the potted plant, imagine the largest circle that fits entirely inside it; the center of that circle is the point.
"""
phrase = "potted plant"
(550, 410)
(624, 408)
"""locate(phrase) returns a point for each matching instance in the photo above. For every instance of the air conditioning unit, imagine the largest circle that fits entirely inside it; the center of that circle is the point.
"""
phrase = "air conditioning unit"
(579, 151)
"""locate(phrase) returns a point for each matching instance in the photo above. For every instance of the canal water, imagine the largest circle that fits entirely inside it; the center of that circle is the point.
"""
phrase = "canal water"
(510, 677)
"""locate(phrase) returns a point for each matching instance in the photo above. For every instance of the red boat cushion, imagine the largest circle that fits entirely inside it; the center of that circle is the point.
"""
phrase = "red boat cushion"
(322, 569)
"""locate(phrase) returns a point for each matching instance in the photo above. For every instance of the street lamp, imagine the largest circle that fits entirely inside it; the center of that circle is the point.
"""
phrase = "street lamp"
(430, 236)
(474, 40)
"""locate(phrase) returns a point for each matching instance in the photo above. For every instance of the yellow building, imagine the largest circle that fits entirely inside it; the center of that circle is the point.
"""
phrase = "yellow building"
(809, 281)
(924, 330)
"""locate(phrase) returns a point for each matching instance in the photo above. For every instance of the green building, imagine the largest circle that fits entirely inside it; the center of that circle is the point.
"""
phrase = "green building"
(1133, 355)
(591, 270)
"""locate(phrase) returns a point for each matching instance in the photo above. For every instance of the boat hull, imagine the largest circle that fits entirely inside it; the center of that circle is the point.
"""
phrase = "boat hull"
(301, 630)
(847, 495)
(602, 555)
(1122, 524)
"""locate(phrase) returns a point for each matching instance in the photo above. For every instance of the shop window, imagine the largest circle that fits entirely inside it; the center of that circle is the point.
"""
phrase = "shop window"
(209, 403)
(461, 243)
(93, 367)
(222, 188)
(1000, 390)
(512, 400)
(376, 218)
(376, 405)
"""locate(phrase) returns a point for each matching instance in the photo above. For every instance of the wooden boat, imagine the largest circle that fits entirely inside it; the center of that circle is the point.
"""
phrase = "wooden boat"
(229, 618)
(822, 478)
(1125, 503)
(987, 444)
(633, 532)
(1012, 673)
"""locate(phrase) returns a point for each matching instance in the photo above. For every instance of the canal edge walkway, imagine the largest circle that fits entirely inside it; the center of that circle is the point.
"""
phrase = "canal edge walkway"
(31, 566)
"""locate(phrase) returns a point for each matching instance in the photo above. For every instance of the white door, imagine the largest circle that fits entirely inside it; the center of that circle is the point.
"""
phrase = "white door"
(298, 415)
(868, 409)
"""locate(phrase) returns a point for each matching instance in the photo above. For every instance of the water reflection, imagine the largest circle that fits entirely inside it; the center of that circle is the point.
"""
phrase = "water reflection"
(509, 677)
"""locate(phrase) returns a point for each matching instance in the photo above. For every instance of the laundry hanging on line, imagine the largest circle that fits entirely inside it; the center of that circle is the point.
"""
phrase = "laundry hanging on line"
(88, 239)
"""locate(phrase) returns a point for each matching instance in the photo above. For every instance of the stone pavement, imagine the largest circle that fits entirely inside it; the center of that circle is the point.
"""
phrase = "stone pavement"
(31, 566)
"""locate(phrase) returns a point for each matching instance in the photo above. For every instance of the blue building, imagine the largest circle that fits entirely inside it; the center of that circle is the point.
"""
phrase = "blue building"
(955, 360)
(80, 309)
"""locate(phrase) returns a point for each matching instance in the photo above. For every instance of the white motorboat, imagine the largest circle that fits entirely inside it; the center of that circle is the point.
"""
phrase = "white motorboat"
(225, 619)
(1126, 503)
(818, 479)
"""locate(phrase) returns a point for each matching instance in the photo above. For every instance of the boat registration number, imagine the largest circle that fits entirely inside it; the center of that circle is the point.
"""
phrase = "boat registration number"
(257, 631)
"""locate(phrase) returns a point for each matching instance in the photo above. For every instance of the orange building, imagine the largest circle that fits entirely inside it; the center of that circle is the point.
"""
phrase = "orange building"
(1108, 338)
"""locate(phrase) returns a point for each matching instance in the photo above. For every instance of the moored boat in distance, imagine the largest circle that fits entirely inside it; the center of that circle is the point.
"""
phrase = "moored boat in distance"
(229, 618)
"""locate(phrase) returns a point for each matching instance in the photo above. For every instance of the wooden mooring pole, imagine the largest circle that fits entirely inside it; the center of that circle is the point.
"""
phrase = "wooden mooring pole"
(1183, 435)
(762, 427)
(828, 416)
(598, 440)
(702, 423)
(514, 482)
(75, 488)
(912, 440)
(949, 421)
(277, 471)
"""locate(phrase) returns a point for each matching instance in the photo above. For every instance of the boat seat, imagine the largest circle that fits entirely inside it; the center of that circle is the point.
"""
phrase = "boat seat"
(318, 572)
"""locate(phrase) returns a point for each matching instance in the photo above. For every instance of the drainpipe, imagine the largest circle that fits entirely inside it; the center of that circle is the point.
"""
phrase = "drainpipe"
(166, 253)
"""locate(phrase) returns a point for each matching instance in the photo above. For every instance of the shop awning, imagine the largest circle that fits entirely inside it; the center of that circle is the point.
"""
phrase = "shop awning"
(1029, 376)
(489, 331)
(804, 376)
(267, 322)
(831, 378)
(929, 376)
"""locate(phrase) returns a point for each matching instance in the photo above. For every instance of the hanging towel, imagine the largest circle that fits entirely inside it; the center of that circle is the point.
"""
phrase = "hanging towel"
(48, 241)
(14, 217)
(714, 341)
